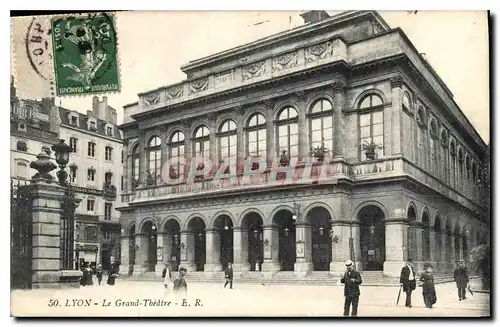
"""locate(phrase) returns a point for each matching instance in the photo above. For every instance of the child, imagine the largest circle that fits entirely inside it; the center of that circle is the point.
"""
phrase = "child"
(428, 290)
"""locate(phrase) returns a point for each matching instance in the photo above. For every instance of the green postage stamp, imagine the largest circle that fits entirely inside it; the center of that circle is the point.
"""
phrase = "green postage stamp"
(85, 54)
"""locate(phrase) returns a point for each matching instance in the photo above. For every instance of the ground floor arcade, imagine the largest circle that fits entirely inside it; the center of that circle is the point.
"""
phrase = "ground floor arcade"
(299, 236)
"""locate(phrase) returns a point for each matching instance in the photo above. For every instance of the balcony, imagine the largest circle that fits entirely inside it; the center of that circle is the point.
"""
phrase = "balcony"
(108, 220)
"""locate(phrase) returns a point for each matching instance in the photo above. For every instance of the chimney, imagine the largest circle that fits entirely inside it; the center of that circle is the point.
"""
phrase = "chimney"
(95, 106)
(314, 16)
(103, 105)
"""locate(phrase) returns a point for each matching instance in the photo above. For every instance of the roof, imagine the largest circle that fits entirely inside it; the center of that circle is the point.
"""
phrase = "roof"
(82, 124)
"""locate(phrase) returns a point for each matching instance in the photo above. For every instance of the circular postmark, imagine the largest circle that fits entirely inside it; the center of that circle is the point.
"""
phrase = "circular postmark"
(38, 47)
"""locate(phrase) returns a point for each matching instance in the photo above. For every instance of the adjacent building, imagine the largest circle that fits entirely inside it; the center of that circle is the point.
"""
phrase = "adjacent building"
(398, 158)
(95, 173)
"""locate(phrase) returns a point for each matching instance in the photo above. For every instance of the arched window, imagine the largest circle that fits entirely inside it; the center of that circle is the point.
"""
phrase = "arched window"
(176, 146)
(474, 172)
(22, 170)
(287, 133)
(453, 163)
(135, 166)
(371, 100)
(256, 136)
(468, 166)
(201, 142)
(154, 164)
(461, 163)
(406, 101)
(444, 156)
(227, 143)
(371, 126)
(321, 115)
(21, 146)
(432, 144)
(421, 137)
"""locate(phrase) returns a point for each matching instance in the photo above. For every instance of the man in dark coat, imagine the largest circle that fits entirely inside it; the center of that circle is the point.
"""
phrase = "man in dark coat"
(180, 285)
(351, 280)
(461, 276)
(407, 281)
(229, 275)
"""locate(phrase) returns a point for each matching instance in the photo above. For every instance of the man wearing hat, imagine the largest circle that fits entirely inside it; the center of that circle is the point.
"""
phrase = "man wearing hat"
(180, 285)
(351, 281)
(461, 276)
(407, 280)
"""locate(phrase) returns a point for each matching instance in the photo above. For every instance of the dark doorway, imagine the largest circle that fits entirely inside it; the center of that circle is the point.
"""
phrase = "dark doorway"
(319, 219)
(172, 229)
(224, 225)
(286, 232)
(131, 249)
(252, 222)
(372, 237)
(152, 240)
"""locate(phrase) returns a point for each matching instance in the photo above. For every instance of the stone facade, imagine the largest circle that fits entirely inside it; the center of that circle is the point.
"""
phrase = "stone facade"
(418, 196)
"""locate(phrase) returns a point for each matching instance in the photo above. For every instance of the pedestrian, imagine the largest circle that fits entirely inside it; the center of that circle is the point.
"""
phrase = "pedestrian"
(461, 276)
(351, 280)
(166, 275)
(99, 273)
(87, 275)
(180, 285)
(428, 289)
(407, 281)
(112, 274)
(229, 275)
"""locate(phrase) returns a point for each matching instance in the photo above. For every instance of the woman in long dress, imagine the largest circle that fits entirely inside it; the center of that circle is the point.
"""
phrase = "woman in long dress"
(111, 274)
(428, 289)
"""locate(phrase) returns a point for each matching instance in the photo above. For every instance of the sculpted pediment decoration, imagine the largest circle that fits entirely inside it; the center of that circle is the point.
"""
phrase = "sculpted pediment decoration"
(319, 51)
(287, 60)
(254, 70)
(199, 85)
(175, 92)
(152, 99)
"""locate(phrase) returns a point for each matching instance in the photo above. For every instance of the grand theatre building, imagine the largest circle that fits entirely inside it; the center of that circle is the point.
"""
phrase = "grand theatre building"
(389, 166)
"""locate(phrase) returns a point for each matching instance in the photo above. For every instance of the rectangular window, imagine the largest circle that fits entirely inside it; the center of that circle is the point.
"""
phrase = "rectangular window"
(73, 121)
(107, 210)
(91, 175)
(91, 149)
(109, 130)
(121, 185)
(90, 205)
(122, 156)
(72, 143)
(72, 174)
(93, 125)
(108, 153)
(108, 177)
(371, 129)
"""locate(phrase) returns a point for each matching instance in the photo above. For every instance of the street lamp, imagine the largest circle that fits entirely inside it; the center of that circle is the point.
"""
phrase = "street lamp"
(62, 150)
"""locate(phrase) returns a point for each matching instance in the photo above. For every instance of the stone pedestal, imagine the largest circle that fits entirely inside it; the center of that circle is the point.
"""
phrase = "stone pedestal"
(46, 211)
(141, 248)
(161, 260)
(187, 250)
(240, 245)
(340, 247)
(303, 265)
(125, 259)
(271, 250)
(395, 234)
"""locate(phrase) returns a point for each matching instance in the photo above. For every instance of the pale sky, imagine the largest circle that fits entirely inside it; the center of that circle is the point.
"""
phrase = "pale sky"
(153, 46)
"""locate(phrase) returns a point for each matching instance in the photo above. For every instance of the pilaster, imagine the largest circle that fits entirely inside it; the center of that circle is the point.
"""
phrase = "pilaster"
(270, 139)
(339, 88)
(303, 265)
(212, 251)
(396, 121)
(271, 249)
(303, 126)
(240, 241)
(187, 250)
(396, 234)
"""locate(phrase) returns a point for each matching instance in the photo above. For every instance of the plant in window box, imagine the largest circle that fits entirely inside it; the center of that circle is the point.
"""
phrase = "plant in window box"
(319, 152)
(284, 160)
(370, 149)
(135, 183)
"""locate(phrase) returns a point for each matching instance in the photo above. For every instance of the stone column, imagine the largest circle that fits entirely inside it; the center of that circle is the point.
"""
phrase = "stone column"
(127, 169)
(141, 254)
(460, 255)
(396, 233)
(338, 118)
(240, 248)
(433, 248)
(188, 152)
(419, 255)
(271, 250)
(142, 159)
(356, 240)
(444, 252)
(453, 254)
(340, 246)
(187, 250)
(240, 138)
(303, 125)
(303, 243)
(213, 142)
(168, 248)
(396, 123)
(164, 146)
(213, 251)
(46, 243)
(161, 260)
(124, 254)
(270, 135)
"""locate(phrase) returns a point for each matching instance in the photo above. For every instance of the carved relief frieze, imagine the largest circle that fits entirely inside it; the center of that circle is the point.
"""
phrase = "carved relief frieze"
(152, 99)
(175, 92)
(198, 85)
(224, 79)
(319, 51)
(254, 70)
(287, 60)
